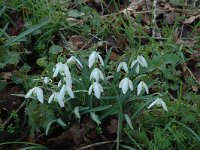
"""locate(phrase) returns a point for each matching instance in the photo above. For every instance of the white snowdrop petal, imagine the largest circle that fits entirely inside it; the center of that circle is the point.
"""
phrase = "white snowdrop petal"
(153, 103)
(70, 60)
(139, 88)
(70, 92)
(46, 80)
(130, 84)
(68, 81)
(90, 89)
(100, 59)
(137, 69)
(119, 67)
(145, 87)
(97, 91)
(56, 71)
(30, 92)
(51, 98)
(59, 83)
(79, 63)
(164, 106)
(39, 94)
(142, 61)
(91, 59)
(125, 86)
(66, 71)
(125, 67)
(60, 96)
(61, 103)
(133, 63)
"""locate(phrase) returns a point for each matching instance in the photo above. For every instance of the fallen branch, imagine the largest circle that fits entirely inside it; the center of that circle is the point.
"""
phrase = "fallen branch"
(96, 144)
(9, 118)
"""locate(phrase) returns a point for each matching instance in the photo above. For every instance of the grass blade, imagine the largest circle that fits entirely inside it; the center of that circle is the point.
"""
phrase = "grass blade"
(23, 34)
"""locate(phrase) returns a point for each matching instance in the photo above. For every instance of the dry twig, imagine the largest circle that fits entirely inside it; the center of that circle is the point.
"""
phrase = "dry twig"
(95, 144)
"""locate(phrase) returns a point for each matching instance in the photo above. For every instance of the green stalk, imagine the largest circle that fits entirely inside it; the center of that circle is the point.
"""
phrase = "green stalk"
(120, 121)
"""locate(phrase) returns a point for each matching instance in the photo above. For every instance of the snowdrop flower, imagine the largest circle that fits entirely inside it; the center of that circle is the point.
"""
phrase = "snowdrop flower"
(61, 95)
(159, 102)
(122, 65)
(53, 97)
(125, 84)
(140, 61)
(59, 83)
(68, 81)
(93, 56)
(38, 91)
(63, 69)
(140, 86)
(96, 74)
(46, 80)
(97, 88)
(73, 59)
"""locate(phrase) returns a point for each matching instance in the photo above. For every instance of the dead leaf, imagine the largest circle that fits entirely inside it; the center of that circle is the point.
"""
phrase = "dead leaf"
(79, 42)
(168, 7)
(171, 17)
(191, 19)
(194, 88)
(114, 56)
(112, 128)
(145, 18)
(7, 76)
(133, 6)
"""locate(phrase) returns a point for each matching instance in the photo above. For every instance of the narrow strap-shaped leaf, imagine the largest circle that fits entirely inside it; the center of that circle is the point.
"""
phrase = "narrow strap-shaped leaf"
(128, 120)
(23, 34)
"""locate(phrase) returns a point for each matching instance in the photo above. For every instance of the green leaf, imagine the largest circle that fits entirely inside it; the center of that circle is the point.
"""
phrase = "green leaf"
(42, 62)
(55, 49)
(127, 147)
(48, 126)
(74, 13)
(60, 122)
(128, 120)
(9, 58)
(95, 118)
(2, 10)
(97, 109)
(171, 59)
(2, 85)
(23, 34)
(76, 112)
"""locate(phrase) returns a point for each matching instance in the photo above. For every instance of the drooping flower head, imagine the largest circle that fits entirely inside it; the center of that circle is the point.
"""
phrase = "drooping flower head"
(140, 61)
(73, 60)
(96, 74)
(122, 65)
(125, 84)
(97, 88)
(93, 56)
(39, 93)
(60, 96)
(159, 102)
(140, 86)
(46, 80)
(63, 69)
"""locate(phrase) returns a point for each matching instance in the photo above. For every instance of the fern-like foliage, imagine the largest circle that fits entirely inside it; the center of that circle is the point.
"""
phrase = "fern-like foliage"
(39, 116)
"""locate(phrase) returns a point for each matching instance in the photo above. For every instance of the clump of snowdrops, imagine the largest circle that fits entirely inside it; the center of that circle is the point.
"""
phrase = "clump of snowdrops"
(89, 87)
